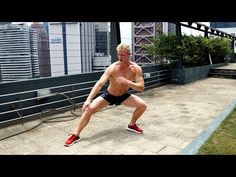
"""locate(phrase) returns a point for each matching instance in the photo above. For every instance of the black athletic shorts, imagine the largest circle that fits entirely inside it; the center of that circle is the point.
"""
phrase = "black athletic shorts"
(117, 100)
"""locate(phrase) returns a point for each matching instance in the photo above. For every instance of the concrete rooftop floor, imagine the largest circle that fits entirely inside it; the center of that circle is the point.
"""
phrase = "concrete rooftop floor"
(175, 117)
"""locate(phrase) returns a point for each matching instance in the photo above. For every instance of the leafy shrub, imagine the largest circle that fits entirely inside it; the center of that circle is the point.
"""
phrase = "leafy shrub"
(195, 50)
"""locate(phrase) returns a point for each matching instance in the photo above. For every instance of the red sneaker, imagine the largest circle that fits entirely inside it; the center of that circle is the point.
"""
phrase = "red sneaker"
(71, 140)
(135, 128)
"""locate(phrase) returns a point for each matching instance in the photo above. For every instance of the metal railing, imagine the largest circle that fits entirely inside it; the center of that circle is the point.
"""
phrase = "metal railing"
(20, 105)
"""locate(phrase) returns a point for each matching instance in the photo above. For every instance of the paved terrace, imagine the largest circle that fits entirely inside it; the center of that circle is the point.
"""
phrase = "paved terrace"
(229, 66)
(176, 116)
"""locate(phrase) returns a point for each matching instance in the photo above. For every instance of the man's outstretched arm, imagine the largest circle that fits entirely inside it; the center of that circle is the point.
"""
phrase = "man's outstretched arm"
(96, 88)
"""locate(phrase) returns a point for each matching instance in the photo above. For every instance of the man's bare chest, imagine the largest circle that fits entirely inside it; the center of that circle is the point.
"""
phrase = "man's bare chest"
(126, 73)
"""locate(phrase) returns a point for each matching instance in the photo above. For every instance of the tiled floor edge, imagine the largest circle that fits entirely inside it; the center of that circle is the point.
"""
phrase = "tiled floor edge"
(193, 147)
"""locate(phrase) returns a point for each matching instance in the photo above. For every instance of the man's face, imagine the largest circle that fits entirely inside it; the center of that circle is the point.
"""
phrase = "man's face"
(123, 55)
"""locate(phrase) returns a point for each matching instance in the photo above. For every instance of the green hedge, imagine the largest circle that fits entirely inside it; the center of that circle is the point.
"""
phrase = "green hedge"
(195, 50)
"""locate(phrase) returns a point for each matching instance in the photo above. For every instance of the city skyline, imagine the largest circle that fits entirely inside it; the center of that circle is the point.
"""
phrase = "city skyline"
(125, 30)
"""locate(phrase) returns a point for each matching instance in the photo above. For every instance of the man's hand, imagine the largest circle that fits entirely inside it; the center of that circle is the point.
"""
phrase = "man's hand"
(122, 80)
(86, 105)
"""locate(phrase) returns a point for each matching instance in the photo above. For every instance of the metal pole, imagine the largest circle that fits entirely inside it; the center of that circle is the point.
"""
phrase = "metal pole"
(233, 48)
(64, 47)
(115, 39)
(179, 63)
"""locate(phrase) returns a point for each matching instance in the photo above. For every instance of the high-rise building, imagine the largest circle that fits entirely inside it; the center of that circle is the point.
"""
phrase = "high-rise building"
(18, 52)
(223, 24)
(228, 27)
(72, 47)
(34, 52)
(45, 26)
(0, 75)
(4, 23)
(171, 28)
(43, 50)
(102, 38)
(143, 33)
(102, 58)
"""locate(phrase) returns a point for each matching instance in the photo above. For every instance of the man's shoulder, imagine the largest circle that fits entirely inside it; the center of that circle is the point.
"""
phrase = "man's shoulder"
(135, 65)
(111, 67)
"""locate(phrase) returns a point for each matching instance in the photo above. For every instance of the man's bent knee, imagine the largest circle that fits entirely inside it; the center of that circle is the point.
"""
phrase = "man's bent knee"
(89, 111)
(92, 110)
(142, 106)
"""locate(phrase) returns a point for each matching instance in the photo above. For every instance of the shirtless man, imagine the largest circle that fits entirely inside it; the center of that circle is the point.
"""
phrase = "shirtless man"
(120, 75)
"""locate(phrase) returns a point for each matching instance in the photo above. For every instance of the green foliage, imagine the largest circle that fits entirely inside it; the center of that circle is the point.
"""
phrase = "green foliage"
(194, 50)
(220, 48)
(163, 50)
(223, 139)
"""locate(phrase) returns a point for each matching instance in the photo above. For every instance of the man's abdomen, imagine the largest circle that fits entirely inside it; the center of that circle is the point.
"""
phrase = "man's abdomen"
(117, 90)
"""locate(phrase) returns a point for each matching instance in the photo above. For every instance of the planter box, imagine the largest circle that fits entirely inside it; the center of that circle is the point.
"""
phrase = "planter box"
(186, 75)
